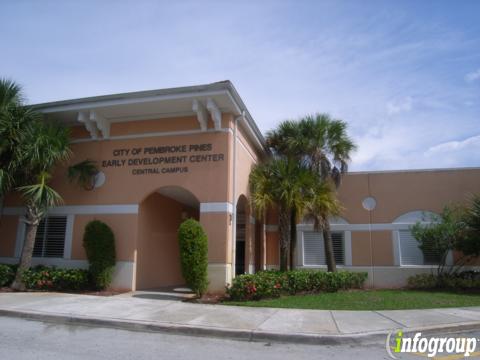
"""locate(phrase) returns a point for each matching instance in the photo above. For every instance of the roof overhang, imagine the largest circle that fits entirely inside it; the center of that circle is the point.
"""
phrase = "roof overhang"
(98, 112)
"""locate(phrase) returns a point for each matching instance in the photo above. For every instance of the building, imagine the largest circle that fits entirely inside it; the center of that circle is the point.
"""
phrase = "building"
(166, 155)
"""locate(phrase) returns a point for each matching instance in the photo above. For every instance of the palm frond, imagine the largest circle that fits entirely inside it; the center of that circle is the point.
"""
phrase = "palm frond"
(6, 182)
(39, 195)
(10, 93)
(83, 173)
(322, 203)
(317, 141)
(43, 146)
(279, 182)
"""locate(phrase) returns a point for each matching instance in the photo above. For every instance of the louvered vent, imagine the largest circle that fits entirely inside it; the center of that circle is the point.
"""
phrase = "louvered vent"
(338, 247)
(314, 250)
(412, 254)
(50, 239)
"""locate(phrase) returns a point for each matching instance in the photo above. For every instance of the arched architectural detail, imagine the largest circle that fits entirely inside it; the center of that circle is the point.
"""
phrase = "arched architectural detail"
(175, 188)
(243, 201)
(337, 220)
(158, 254)
(412, 217)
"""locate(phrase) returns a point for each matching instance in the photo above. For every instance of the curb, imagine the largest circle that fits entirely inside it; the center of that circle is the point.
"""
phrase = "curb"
(233, 334)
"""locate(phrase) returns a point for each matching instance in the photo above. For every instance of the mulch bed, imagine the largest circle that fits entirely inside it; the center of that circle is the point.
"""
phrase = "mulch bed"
(104, 292)
(95, 293)
(5, 290)
(207, 299)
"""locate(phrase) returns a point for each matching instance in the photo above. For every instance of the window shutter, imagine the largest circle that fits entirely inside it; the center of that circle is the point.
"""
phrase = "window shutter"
(431, 257)
(55, 239)
(411, 253)
(314, 248)
(50, 239)
(39, 239)
(338, 247)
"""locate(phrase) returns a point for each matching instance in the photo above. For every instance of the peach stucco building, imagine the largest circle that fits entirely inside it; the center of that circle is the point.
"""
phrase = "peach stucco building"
(166, 155)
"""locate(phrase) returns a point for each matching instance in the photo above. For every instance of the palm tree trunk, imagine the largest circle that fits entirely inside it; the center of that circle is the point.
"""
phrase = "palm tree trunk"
(329, 256)
(284, 229)
(27, 250)
(2, 202)
(293, 236)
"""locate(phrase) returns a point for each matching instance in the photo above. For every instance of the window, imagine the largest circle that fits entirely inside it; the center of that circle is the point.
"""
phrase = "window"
(338, 247)
(314, 250)
(240, 244)
(50, 239)
(411, 253)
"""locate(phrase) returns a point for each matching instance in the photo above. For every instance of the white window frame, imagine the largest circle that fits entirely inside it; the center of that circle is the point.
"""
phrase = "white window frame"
(347, 247)
(397, 251)
(67, 248)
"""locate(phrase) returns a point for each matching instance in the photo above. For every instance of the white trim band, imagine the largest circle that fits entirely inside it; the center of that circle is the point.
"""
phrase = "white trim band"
(80, 210)
(156, 134)
(89, 103)
(362, 227)
(216, 207)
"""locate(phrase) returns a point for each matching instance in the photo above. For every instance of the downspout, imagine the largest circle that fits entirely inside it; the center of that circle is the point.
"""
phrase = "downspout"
(234, 192)
(370, 234)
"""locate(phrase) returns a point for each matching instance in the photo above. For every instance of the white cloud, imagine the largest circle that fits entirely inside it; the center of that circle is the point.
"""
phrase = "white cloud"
(394, 88)
(454, 146)
(399, 106)
(472, 76)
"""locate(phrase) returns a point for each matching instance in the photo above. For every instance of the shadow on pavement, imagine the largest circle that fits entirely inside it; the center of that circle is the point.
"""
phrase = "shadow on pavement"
(173, 293)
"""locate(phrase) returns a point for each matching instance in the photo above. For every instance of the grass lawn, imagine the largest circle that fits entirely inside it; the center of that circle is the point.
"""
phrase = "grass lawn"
(368, 300)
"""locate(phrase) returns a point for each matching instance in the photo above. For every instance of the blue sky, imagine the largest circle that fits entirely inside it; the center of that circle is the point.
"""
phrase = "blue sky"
(405, 75)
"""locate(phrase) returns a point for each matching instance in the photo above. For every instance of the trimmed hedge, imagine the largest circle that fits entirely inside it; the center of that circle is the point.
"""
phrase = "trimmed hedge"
(468, 280)
(7, 274)
(271, 284)
(99, 244)
(47, 278)
(50, 278)
(194, 255)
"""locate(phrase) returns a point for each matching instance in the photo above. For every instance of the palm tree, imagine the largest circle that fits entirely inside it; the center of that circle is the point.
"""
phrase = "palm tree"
(10, 132)
(30, 148)
(45, 145)
(322, 204)
(279, 141)
(321, 144)
(280, 183)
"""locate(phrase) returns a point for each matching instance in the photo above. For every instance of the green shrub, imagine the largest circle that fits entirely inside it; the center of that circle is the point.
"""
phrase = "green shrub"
(423, 281)
(264, 284)
(470, 274)
(300, 281)
(194, 255)
(7, 274)
(453, 282)
(99, 244)
(271, 284)
(53, 279)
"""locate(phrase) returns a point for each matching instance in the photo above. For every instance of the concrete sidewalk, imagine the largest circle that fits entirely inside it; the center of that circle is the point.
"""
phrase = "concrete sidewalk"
(261, 324)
